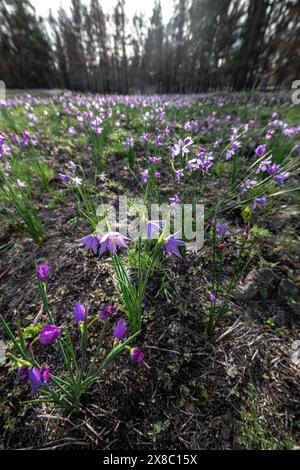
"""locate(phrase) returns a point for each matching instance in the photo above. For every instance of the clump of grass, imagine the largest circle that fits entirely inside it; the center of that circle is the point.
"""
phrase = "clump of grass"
(253, 433)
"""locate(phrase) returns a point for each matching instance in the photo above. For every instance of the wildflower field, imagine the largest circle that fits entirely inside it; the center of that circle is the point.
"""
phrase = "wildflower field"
(143, 338)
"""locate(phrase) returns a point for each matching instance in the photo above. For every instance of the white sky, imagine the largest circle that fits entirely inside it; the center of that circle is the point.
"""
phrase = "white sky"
(42, 7)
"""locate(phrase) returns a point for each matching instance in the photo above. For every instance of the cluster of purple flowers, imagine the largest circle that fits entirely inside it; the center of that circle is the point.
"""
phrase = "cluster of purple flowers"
(204, 161)
(37, 377)
(111, 241)
(120, 330)
(271, 168)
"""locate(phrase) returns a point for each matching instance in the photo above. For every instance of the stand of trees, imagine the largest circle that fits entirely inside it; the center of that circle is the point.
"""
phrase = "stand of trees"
(206, 45)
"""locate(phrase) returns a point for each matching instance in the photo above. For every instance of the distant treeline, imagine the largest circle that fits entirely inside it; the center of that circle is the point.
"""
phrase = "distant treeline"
(206, 45)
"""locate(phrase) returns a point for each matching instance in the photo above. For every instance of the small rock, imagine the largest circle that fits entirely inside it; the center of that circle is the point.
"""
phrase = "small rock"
(295, 355)
(2, 352)
(226, 432)
(232, 371)
(289, 294)
(289, 212)
(257, 284)
(287, 290)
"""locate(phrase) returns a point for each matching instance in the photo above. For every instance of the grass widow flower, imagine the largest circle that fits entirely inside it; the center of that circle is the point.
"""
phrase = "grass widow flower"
(171, 244)
(182, 147)
(222, 230)
(49, 334)
(248, 184)
(23, 373)
(111, 241)
(76, 181)
(144, 176)
(264, 164)
(92, 242)
(120, 329)
(43, 271)
(246, 232)
(80, 312)
(137, 355)
(261, 149)
(46, 374)
(154, 226)
(175, 200)
(280, 177)
(154, 160)
(21, 184)
(72, 166)
(35, 379)
(274, 168)
(262, 201)
(107, 311)
(39, 377)
(63, 178)
(178, 174)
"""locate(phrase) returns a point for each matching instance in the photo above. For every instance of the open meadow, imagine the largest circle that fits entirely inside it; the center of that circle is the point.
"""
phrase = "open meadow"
(131, 335)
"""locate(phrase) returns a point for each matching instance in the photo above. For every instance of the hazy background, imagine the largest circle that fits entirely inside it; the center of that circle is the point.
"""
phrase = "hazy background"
(127, 46)
(131, 7)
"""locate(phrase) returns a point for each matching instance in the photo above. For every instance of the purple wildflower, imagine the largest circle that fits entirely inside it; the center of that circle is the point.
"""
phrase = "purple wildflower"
(175, 200)
(144, 176)
(49, 334)
(120, 330)
(246, 232)
(25, 138)
(212, 297)
(222, 230)
(229, 154)
(72, 166)
(178, 174)
(80, 312)
(236, 145)
(261, 149)
(63, 178)
(107, 311)
(43, 271)
(154, 160)
(23, 373)
(274, 168)
(280, 177)
(137, 355)
(145, 137)
(264, 164)
(247, 185)
(262, 201)
(154, 226)
(72, 131)
(182, 147)
(111, 241)
(46, 374)
(92, 242)
(35, 379)
(39, 377)
(129, 143)
(171, 244)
